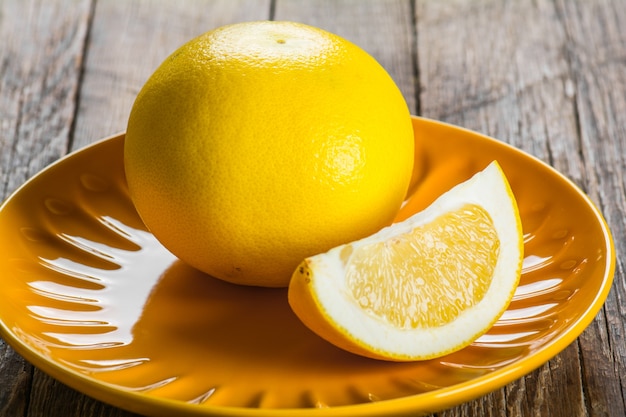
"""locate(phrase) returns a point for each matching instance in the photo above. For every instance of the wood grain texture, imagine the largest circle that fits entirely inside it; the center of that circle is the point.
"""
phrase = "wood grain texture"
(548, 76)
(128, 40)
(41, 57)
(15, 381)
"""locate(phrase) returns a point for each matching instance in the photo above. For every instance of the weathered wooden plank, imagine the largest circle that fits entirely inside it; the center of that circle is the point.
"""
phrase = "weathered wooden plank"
(483, 66)
(15, 380)
(128, 40)
(382, 28)
(40, 56)
(597, 57)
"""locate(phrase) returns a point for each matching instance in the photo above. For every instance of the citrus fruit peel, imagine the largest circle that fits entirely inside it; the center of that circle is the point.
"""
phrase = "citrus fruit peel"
(423, 287)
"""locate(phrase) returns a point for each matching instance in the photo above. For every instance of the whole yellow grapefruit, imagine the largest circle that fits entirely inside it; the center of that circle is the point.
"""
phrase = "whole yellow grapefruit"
(258, 144)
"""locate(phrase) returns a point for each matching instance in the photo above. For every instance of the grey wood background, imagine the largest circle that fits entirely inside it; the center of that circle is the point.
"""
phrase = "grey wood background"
(548, 76)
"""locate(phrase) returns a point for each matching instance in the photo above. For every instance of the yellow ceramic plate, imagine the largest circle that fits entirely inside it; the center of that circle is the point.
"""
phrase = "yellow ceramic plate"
(90, 297)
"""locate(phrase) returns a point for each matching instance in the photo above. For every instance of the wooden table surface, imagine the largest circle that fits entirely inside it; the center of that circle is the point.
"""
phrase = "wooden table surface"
(548, 76)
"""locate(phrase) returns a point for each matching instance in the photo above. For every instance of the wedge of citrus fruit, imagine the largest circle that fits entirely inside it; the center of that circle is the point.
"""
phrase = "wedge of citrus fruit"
(421, 288)
(258, 144)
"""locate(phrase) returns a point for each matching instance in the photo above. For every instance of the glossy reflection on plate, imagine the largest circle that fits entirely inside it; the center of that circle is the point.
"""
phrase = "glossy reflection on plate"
(89, 296)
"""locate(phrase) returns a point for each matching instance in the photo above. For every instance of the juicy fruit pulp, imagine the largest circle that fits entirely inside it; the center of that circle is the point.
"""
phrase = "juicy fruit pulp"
(421, 288)
(459, 244)
(258, 144)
